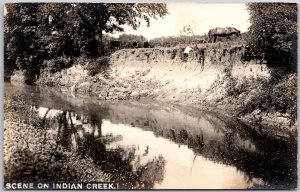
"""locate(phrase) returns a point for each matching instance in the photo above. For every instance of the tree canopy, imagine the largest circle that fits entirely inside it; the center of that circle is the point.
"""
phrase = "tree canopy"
(273, 32)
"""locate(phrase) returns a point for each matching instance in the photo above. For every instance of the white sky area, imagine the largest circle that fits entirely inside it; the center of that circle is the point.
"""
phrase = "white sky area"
(200, 16)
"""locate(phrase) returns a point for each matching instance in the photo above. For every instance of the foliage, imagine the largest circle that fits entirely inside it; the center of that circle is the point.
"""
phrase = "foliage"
(100, 65)
(274, 96)
(54, 65)
(175, 41)
(35, 32)
(126, 41)
(21, 46)
(273, 32)
(94, 19)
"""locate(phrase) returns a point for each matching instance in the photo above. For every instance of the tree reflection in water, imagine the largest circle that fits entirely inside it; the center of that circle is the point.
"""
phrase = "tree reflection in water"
(229, 143)
(81, 133)
(274, 166)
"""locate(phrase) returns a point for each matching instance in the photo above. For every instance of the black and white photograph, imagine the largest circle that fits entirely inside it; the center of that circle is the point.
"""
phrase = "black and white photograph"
(173, 95)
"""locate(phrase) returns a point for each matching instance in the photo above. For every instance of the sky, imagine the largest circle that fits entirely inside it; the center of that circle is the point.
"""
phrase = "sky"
(200, 16)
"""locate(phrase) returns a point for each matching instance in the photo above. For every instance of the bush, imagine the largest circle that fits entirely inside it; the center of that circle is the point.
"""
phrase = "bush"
(57, 64)
(100, 65)
(273, 32)
(275, 96)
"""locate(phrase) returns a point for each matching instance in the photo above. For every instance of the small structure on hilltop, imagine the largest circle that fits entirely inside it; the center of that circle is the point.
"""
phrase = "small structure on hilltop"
(223, 32)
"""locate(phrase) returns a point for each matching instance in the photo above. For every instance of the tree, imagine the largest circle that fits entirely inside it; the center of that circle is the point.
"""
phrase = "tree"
(84, 23)
(110, 17)
(273, 32)
(37, 32)
(59, 29)
(21, 47)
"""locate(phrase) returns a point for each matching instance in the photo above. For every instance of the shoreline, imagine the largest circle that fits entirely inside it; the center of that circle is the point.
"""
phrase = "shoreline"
(269, 129)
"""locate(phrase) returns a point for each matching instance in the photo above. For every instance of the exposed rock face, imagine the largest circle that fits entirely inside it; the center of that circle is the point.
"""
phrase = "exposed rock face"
(197, 72)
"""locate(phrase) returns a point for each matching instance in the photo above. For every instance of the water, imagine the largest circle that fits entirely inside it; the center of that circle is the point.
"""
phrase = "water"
(160, 146)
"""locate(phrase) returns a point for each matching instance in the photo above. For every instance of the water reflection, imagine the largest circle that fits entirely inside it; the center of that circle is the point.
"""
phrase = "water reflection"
(184, 168)
(174, 154)
(82, 133)
(150, 146)
(219, 139)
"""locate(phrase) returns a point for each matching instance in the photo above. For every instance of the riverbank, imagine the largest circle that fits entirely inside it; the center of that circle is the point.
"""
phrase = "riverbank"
(32, 154)
(212, 76)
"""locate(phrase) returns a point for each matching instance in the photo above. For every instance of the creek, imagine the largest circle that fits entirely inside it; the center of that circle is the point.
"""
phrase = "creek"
(157, 145)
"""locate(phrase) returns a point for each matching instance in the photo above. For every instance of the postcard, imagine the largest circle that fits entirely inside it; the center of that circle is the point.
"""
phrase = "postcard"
(106, 96)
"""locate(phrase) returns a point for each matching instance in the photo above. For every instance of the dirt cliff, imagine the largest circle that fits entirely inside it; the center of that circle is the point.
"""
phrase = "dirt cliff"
(178, 75)
(211, 75)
